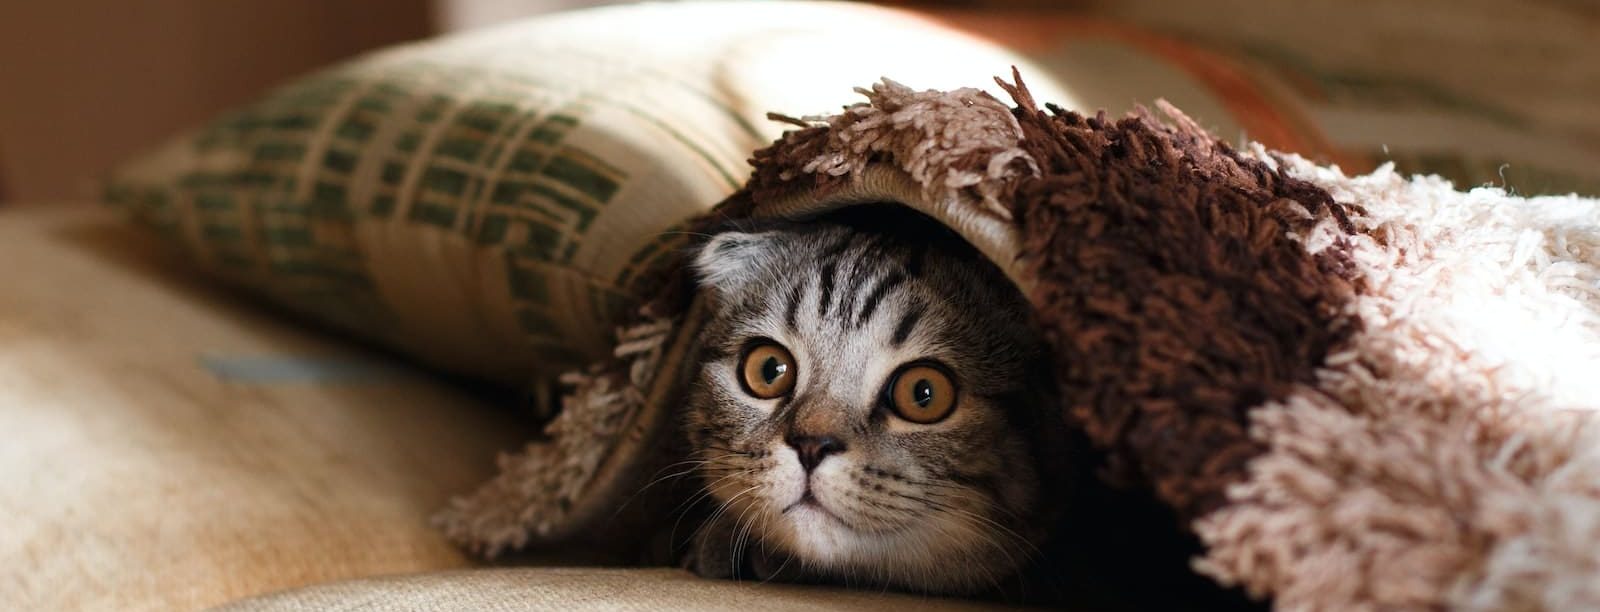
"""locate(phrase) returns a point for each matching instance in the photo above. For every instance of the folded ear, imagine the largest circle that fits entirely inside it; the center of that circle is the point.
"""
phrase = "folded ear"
(731, 259)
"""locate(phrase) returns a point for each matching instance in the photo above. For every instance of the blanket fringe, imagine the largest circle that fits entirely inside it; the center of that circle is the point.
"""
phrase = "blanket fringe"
(538, 489)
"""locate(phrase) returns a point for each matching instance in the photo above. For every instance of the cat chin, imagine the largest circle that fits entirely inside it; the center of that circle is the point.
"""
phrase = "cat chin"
(818, 536)
(907, 559)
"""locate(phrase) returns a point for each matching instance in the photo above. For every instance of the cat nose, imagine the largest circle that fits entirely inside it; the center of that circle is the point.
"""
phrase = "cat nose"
(813, 449)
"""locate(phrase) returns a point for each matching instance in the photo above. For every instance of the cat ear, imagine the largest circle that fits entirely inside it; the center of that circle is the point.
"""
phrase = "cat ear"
(730, 259)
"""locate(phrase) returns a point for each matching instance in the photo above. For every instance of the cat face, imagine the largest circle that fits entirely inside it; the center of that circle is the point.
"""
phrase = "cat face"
(862, 405)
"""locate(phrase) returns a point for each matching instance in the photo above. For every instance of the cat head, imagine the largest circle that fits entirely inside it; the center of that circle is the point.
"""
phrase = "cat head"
(868, 403)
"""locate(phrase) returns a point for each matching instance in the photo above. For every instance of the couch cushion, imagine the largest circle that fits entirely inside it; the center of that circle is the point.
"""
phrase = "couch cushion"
(583, 589)
(167, 446)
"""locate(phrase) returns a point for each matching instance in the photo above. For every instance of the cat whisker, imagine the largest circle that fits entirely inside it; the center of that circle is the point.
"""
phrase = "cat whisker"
(989, 573)
(682, 510)
(729, 451)
(777, 572)
(987, 537)
(992, 505)
(958, 511)
(963, 492)
(723, 509)
(683, 233)
(741, 533)
(657, 478)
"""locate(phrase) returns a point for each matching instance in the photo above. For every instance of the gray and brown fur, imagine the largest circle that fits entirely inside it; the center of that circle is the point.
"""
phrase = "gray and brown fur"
(954, 506)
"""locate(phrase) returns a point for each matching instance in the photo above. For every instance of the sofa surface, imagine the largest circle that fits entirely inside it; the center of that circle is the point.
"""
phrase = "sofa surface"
(172, 446)
(626, 590)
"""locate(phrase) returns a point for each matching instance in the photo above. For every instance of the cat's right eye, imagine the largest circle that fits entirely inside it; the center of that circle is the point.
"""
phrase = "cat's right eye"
(767, 370)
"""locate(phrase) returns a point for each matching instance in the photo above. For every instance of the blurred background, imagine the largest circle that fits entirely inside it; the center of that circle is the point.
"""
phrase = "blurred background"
(85, 83)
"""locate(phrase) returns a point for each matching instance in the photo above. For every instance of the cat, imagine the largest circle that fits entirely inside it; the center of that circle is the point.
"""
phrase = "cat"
(869, 408)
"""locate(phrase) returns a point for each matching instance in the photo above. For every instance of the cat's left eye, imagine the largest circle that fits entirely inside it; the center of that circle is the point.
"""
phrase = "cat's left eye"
(767, 370)
(922, 393)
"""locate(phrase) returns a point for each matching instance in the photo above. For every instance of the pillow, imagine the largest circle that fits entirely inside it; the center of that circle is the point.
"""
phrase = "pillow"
(487, 201)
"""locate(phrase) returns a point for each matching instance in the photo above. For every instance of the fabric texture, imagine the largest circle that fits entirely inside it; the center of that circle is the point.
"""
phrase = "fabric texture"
(170, 446)
(1446, 457)
(581, 589)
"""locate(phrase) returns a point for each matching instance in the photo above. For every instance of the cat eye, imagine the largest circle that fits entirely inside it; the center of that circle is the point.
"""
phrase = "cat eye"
(922, 393)
(767, 370)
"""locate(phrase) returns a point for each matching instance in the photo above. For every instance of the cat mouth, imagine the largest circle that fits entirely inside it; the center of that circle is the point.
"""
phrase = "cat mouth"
(807, 500)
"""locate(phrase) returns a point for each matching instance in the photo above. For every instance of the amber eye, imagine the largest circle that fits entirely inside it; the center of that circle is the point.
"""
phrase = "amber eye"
(922, 394)
(767, 370)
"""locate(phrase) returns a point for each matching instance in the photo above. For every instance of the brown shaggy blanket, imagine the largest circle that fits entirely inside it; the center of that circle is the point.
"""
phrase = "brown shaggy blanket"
(1332, 381)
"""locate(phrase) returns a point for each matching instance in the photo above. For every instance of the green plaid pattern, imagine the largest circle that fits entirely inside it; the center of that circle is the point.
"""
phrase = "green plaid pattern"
(279, 195)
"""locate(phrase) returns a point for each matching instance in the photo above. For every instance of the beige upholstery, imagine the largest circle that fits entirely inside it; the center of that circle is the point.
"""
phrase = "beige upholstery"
(642, 590)
(172, 446)
(168, 446)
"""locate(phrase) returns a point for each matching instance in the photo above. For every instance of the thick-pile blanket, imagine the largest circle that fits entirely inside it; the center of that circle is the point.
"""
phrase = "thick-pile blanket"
(1370, 392)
